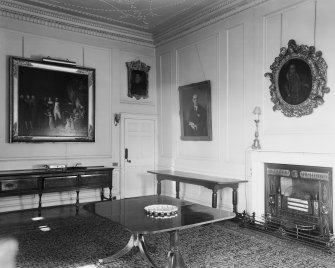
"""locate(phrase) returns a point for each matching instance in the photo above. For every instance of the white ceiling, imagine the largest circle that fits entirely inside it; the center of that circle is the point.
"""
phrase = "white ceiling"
(145, 15)
(145, 22)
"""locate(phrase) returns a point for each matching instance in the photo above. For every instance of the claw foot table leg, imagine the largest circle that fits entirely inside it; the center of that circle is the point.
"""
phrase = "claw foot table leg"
(175, 259)
(134, 241)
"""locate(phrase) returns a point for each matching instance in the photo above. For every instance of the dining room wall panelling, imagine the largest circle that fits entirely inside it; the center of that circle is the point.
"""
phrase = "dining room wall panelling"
(234, 54)
(108, 57)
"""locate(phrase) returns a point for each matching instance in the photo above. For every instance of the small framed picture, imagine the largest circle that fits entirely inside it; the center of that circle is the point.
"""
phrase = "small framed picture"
(195, 111)
(138, 79)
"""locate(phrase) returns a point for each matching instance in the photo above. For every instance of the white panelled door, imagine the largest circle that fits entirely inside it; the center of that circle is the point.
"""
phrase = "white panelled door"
(138, 156)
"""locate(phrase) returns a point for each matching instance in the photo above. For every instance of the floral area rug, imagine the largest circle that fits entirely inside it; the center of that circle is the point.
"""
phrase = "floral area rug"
(81, 240)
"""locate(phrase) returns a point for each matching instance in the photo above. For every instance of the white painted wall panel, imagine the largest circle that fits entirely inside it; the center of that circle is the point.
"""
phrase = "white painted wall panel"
(10, 45)
(38, 47)
(300, 134)
(235, 96)
(98, 58)
(105, 57)
(298, 23)
(165, 111)
(195, 63)
(248, 44)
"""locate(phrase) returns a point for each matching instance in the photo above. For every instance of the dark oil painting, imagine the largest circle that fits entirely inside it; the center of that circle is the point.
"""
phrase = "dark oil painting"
(295, 81)
(52, 105)
(138, 84)
(195, 111)
(138, 79)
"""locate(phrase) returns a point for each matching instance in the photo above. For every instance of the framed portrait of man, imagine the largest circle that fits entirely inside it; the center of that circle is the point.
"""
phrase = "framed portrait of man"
(138, 79)
(195, 111)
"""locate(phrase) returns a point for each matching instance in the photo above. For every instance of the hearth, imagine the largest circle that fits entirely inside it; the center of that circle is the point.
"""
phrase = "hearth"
(298, 200)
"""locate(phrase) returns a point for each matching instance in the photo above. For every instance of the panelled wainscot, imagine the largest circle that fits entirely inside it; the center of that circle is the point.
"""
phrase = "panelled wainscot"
(39, 181)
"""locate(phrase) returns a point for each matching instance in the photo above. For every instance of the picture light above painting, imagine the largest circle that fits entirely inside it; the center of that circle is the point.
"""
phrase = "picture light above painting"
(51, 101)
(298, 80)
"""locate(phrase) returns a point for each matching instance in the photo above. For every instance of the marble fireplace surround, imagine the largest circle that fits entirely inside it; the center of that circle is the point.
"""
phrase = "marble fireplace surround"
(256, 176)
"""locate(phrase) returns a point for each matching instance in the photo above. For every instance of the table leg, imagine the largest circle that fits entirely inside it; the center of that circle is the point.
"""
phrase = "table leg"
(144, 252)
(77, 201)
(177, 189)
(110, 192)
(134, 241)
(175, 259)
(39, 204)
(214, 199)
(159, 187)
(120, 253)
(102, 194)
(235, 199)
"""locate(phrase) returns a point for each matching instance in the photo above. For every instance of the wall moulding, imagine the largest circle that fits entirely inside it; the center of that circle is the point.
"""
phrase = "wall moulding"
(71, 23)
(163, 33)
(214, 13)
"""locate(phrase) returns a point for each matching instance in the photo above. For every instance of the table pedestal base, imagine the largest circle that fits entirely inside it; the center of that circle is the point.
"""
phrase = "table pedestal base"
(175, 259)
(134, 241)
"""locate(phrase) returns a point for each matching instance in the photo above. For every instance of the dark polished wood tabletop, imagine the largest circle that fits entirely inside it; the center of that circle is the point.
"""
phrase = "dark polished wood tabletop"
(130, 213)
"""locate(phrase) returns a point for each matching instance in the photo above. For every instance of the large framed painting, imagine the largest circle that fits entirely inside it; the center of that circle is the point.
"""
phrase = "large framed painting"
(195, 111)
(138, 79)
(298, 80)
(51, 102)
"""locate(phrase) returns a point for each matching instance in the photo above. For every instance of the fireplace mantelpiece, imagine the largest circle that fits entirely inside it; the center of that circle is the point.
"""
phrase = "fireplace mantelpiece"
(299, 198)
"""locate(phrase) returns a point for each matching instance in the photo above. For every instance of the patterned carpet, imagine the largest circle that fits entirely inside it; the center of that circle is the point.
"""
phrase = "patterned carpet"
(81, 240)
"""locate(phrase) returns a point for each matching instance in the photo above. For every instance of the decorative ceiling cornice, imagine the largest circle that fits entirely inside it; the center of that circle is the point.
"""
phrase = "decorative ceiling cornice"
(213, 13)
(95, 17)
(161, 34)
(73, 23)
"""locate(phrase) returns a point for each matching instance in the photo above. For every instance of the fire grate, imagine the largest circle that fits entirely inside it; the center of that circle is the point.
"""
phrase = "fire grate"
(298, 205)
(299, 199)
(278, 227)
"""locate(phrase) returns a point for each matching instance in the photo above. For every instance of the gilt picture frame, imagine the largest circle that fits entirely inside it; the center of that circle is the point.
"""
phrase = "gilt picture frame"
(138, 79)
(195, 111)
(51, 102)
(298, 80)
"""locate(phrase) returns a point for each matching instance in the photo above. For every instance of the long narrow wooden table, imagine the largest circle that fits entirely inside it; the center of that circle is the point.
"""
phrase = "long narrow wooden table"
(211, 182)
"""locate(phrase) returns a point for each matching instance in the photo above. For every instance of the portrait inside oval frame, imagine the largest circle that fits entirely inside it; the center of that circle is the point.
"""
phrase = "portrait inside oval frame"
(298, 80)
(295, 81)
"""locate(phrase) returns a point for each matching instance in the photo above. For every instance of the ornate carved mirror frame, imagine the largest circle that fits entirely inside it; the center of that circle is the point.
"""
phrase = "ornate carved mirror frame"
(298, 80)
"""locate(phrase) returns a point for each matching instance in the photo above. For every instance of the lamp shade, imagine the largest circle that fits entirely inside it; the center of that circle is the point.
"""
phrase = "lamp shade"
(257, 110)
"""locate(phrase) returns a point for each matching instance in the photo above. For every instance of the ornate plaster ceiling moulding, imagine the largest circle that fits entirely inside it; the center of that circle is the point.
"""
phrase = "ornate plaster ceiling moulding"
(94, 17)
(205, 17)
(73, 23)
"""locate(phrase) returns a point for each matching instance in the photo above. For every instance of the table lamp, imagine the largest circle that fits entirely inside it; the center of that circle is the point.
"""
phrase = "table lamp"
(257, 112)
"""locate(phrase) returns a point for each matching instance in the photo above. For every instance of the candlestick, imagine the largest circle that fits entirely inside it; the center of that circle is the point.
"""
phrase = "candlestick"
(256, 145)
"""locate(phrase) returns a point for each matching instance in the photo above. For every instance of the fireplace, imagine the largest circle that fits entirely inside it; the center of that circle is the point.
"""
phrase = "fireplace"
(299, 199)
